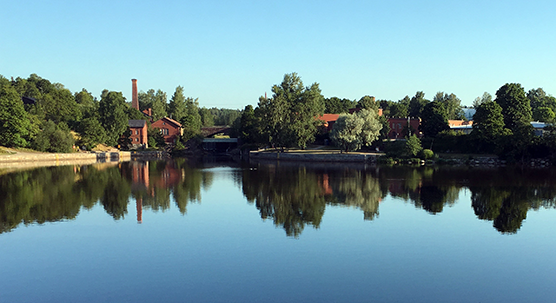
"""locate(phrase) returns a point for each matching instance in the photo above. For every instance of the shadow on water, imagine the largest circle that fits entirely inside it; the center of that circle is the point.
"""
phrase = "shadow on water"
(292, 195)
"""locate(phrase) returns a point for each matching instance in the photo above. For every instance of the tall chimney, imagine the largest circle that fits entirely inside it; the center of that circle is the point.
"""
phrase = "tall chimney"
(134, 98)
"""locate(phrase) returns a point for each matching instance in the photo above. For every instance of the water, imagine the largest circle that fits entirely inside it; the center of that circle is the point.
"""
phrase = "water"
(226, 232)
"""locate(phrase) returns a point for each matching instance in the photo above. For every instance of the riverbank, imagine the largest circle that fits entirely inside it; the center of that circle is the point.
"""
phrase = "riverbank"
(315, 156)
(35, 159)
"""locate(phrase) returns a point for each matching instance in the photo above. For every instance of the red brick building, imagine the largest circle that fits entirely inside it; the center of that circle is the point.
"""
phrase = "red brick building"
(170, 129)
(138, 135)
(399, 127)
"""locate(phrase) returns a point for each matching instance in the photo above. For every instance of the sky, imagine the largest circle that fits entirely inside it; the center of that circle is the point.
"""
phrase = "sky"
(229, 53)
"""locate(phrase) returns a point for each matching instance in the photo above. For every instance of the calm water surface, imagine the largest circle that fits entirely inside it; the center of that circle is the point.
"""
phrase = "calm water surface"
(182, 231)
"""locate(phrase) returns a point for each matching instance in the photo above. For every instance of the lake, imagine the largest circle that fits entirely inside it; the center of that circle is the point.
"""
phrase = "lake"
(223, 231)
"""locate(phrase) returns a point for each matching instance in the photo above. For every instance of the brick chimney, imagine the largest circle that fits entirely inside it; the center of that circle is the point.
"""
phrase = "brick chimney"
(134, 98)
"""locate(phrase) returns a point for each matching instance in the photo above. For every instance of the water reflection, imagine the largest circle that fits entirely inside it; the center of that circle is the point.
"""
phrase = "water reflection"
(291, 195)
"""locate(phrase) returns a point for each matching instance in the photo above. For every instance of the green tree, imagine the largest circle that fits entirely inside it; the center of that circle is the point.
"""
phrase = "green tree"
(54, 138)
(412, 146)
(480, 100)
(417, 104)
(159, 105)
(516, 108)
(249, 125)
(452, 105)
(488, 125)
(14, 123)
(192, 120)
(370, 130)
(434, 119)
(336, 105)
(207, 119)
(368, 102)
(177, 107)
(289, 116)
(544, 114)
(112, 110)
(346, 132)
(92, 132)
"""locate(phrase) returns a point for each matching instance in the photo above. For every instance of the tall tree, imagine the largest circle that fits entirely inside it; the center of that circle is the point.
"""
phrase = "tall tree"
(516, 108)
(112, 115)
(192, 120)
(177, 107)
(368, 102)
(207, 119)
(159, 105)
(249, 126)
(289, 116)
(488, 125)
(370, 130)
(417, 104)
(452, 105)
(14, 124)
(434, 119)
(480, 100)
(346, 132)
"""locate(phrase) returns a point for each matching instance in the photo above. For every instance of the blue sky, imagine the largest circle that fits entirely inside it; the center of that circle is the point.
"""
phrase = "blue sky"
(228, 53)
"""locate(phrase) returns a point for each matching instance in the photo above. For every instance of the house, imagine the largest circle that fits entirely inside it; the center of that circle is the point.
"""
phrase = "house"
(170, 129)
(138, 135)
(328, 120)
(399, 127)
(463, 126)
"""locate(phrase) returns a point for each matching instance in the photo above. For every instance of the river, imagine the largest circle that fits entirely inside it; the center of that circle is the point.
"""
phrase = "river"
(224, 231)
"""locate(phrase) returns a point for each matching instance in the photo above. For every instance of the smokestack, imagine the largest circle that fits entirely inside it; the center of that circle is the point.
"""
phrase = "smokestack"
(134, 98)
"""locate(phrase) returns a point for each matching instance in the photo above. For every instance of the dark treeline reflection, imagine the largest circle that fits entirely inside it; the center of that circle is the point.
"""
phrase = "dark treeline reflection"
(51, 194)
(292, 195)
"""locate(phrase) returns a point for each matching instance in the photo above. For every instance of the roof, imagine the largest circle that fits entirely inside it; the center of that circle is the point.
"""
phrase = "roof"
(329, 117)
(537, 124)
(176, 123)
(137, 123)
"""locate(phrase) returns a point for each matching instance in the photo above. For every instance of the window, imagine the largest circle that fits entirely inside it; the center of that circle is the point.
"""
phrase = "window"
(136, 139)
(136, 132)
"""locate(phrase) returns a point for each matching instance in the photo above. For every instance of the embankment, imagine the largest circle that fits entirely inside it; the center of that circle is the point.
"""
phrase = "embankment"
(315, 156)
(44, 159)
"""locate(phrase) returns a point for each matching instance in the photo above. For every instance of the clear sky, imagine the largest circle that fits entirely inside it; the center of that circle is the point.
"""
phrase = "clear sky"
(228, 53)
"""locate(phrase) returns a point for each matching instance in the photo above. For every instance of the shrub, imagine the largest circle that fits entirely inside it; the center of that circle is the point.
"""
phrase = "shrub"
(426, 154)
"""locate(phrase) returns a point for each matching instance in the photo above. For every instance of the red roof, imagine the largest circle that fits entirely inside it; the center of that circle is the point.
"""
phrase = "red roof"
(329, 117)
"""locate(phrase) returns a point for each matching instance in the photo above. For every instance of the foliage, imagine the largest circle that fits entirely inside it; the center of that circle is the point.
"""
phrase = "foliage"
(412, 146)
(346, 132)
(434, 119)
(249, 128)
(452, 105)
(289, 116)
(112, 110)
(191, 122)
(155, 138)
(368, 102)
(54, 138)
(426, 154)
(336, 105)
(370, 130)
(516, 108)
(480, 100)
(177, 108)
(488, 126)
(207, 119)
(544, 114)
(92, 132)
(14, 123)
(417, 104)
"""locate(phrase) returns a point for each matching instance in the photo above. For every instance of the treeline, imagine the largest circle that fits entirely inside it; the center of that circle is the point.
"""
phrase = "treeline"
(50, 113)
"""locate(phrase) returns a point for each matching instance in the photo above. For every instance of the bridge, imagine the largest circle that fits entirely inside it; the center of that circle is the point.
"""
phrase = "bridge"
(208, 132)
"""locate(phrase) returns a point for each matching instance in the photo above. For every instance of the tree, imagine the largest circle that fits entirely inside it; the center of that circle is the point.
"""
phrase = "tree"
(14, 124)
(544, 114)
(480, 100)
(54, 138)
(368, 102)
(249, 126)
(192, 120)
(412, 146)
(112, 115)
(434, 119)
(452, 105)
(159, 105)
(346, 132)
(336, 105)
(92, 132)
(370, 130)
(516, 108)
(488, 125)
(289, 116)
(417, 104)
(177, 107)
(207, 119)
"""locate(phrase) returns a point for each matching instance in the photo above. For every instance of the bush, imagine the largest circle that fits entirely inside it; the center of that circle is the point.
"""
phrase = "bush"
(426, 154)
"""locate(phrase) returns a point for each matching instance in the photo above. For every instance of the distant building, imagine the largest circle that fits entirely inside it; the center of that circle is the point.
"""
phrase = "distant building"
(399, 127)
(170, 129)
(138, 135)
